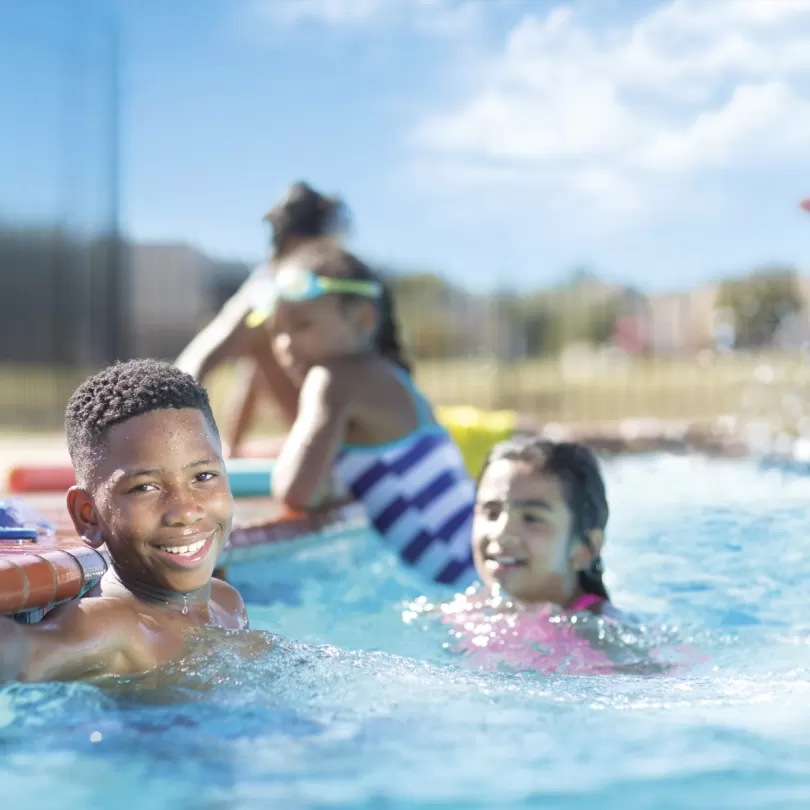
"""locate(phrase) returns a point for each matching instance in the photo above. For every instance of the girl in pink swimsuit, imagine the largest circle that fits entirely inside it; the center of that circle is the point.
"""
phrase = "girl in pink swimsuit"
(538, 531)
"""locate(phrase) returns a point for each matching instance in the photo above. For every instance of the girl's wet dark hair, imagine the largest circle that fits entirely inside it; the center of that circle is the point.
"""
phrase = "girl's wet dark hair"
(305, 213)
(334, 261)
(577, 469)
(387, 337)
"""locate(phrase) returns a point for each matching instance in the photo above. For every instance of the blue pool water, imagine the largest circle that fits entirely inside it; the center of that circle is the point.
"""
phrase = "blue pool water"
(359, 710)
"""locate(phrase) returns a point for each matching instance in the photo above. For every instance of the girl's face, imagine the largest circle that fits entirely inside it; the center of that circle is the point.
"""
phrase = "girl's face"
(522, 535)
(310, 333)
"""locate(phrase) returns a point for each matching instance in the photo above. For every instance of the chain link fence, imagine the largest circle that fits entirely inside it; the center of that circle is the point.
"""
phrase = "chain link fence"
(61, 263)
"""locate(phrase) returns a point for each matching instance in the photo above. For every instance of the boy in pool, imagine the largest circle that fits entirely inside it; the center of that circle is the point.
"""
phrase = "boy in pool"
(151, 487)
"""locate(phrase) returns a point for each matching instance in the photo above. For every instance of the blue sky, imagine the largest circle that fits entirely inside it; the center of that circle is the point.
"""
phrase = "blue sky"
(501, 142)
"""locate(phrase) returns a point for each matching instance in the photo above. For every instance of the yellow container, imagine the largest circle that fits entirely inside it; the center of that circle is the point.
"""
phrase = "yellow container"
(475, 431)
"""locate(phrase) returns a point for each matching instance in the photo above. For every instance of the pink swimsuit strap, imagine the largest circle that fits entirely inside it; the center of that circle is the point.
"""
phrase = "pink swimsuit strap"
(584, 602)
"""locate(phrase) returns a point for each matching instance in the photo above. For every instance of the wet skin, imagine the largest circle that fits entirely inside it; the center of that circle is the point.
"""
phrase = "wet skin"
(522, 535)
(158, 499)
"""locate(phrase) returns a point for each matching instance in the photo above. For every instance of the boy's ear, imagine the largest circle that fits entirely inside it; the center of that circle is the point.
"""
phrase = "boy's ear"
(83, 513)
(582, 555)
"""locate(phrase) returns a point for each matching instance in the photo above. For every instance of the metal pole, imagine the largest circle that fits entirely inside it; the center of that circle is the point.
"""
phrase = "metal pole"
(117, 320)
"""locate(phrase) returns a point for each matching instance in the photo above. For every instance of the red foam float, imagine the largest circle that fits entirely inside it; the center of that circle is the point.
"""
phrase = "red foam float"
(35, 576)
(29, 478)
(40, 478)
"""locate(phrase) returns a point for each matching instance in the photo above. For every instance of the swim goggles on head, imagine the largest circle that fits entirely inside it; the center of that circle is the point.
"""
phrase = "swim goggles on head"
(300, 284)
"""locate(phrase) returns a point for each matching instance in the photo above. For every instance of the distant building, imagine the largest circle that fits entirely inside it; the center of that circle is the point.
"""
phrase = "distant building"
(632, 325)
(175, 290)
(681, 323)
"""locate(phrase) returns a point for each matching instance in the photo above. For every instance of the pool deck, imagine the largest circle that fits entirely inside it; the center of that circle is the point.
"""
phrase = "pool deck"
(31, 448)
(723, 438)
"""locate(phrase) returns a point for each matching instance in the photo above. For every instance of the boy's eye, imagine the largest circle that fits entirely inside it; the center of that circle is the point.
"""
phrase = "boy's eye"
(208, 475)
(140, 488)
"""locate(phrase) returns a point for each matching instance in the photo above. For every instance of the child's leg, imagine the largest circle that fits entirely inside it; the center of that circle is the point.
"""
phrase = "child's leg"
(249, 385)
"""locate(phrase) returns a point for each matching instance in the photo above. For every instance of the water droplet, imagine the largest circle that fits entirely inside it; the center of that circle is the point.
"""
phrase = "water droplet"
(95, 737)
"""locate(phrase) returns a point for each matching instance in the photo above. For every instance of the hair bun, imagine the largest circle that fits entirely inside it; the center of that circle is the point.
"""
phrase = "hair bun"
(305, 213)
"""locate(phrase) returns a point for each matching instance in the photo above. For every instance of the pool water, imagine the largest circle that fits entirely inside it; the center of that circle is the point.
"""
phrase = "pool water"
(354, 708)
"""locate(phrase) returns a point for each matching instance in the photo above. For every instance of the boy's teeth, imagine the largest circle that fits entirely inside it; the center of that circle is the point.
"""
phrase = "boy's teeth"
(193, 548)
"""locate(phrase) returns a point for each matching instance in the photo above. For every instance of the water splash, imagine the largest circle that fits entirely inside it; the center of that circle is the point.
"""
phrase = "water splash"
(370, 711)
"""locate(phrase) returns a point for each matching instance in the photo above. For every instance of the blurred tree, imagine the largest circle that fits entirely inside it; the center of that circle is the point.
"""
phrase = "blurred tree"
(433, 314)
(759, 303)
(585, 312)
(541, 328)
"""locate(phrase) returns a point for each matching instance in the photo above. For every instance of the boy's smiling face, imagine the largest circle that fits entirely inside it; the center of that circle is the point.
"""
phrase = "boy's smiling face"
(160, 500)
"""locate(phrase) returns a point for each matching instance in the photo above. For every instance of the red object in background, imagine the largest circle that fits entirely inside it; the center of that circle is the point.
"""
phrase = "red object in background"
(805, 205)
(630, 333)
(40, 479)
(27, 478)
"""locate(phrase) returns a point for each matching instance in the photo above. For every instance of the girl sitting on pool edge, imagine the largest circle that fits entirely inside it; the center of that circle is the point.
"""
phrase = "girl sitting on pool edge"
(362, 425)
(302, 217)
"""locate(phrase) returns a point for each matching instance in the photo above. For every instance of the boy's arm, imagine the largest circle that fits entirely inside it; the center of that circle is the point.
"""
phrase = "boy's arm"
(80, 639)
(230, 601)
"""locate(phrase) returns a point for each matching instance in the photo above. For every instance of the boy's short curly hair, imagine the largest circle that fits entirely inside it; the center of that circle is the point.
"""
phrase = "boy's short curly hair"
(121, 392)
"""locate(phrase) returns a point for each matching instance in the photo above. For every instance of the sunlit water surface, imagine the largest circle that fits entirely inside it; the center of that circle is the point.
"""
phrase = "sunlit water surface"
(355, 708)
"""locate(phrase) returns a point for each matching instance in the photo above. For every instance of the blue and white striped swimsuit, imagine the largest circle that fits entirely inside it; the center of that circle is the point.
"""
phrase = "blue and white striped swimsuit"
(417, 495)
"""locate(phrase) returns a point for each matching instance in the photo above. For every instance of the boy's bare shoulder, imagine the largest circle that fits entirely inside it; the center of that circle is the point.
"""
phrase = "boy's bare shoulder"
(93, 614)
(230, 603)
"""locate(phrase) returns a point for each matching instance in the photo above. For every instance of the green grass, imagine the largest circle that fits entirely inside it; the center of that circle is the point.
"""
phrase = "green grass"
(753, 387)
(772, 386)
(34, 397)
(598, 391)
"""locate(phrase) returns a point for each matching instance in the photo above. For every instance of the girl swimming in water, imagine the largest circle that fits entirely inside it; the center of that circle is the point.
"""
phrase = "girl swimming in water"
(362, 426)
(303, 216)
(540, 516)
(539, 529)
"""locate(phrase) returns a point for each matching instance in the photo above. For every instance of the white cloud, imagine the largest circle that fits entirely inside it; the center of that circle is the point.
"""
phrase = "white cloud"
(326, 12)
(437, 17)
(758, 122)
(609, 114)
